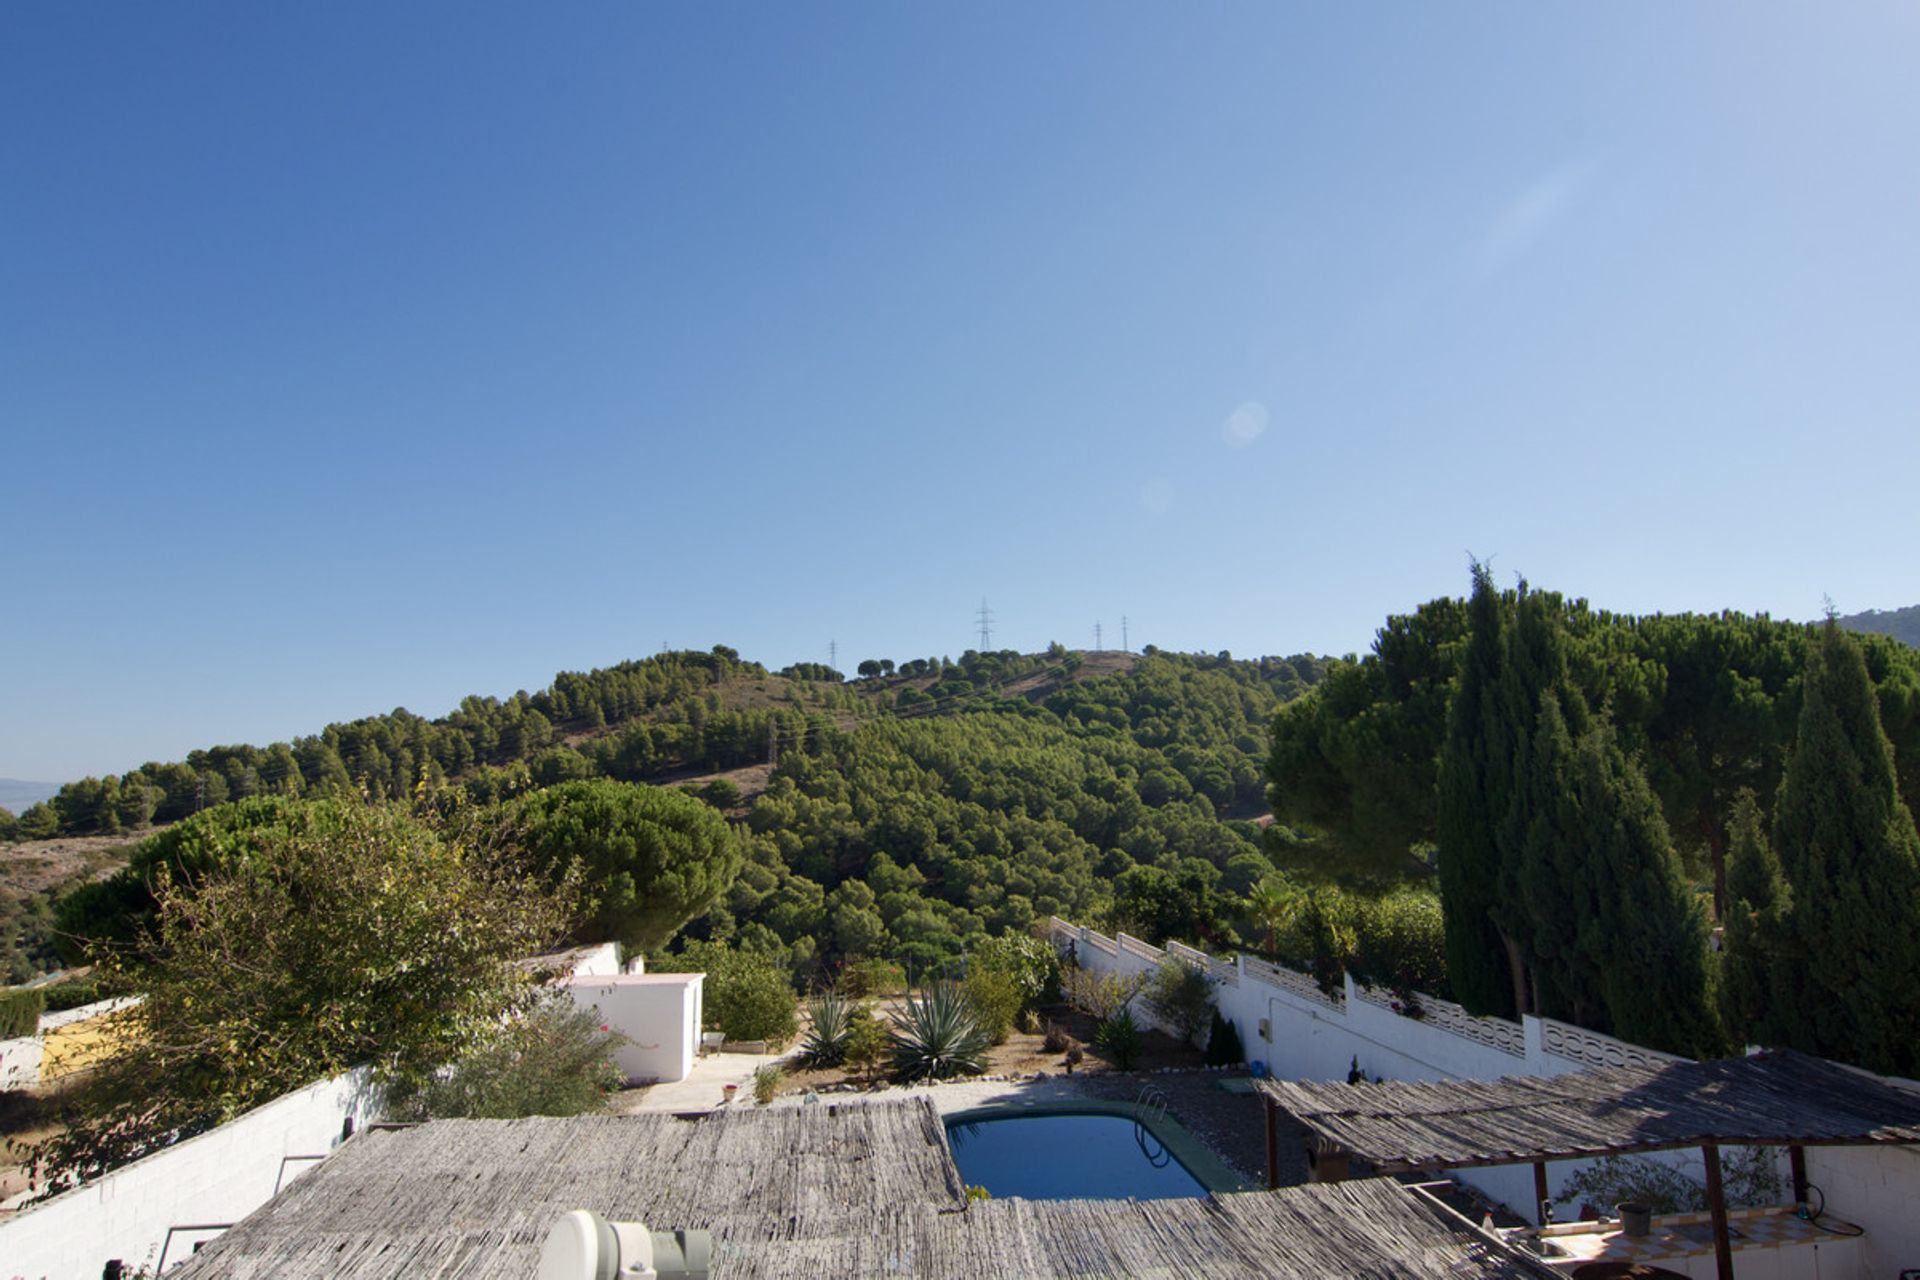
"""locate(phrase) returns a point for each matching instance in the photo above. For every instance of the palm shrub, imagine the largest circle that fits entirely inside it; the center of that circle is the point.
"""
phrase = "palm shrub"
(831, 1017)
(937, 1035)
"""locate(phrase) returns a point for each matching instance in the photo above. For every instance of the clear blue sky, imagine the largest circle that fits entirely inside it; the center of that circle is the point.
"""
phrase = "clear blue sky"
(355, 356)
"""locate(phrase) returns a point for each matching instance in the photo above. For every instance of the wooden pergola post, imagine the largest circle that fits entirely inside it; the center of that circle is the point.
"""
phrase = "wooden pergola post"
(1717, 1205)
(1797, 1158)
(1273, 1147)
(1541, 1197)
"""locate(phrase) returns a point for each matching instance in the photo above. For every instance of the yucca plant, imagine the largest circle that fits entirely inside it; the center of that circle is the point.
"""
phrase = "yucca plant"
(831, 1017)
(936, 1035)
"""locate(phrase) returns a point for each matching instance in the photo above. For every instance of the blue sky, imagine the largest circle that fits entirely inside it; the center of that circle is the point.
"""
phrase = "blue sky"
(355, 356)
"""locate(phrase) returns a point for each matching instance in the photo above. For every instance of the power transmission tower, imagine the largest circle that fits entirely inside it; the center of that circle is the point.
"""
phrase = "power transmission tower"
(1123, 634)
(833, 654)
(1096, 637)
(986, 627)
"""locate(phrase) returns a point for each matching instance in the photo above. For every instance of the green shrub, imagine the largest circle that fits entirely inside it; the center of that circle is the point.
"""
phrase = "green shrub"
(1180, 995)
(872, 977)
(1030, 964)
(1119, 1038)
(747, 995)
(20, 1010)
(557, 1061)
(1223, 1043)
(1099, 995)
(994, 997)
(71, 993)
(830, 1025)
(767, 1081)
(867, 1040)
(936, 1035)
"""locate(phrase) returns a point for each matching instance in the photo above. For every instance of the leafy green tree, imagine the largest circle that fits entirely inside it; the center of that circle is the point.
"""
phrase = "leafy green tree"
(1180, 997)
(9, 826)
(1851, 935)
(747, 993)
(332, 945)
(653, 858)
(1475, 783)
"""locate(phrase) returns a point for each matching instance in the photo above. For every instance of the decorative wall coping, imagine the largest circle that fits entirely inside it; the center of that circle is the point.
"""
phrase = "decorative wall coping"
(1591, 1049)
(1298, 984)
(1495, 1033)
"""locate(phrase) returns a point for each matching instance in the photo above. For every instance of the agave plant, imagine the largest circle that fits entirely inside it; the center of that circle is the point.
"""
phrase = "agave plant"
(937, 1035)
(825, 1044)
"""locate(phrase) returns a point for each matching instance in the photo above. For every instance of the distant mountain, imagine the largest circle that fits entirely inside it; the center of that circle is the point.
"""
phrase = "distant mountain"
(1901, 624)
(16, 795)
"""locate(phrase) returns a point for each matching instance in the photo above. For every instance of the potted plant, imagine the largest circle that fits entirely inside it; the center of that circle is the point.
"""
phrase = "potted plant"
(1636, 1219)
(727, 1091)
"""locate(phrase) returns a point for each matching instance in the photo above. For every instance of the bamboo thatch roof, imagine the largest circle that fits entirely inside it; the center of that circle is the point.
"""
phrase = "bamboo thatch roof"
(1774, 1098)
(855, 1190)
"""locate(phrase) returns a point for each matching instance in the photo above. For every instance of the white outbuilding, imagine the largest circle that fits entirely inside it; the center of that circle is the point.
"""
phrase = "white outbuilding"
(658, 1013)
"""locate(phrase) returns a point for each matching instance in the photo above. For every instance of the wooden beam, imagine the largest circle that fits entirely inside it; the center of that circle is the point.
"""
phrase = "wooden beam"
(1273, 1147)
(1797, 1156)
(1541, 1197)
(1717, 1204)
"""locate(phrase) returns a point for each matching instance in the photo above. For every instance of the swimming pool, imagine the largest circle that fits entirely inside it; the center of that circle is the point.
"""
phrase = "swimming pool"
(1068, 1156)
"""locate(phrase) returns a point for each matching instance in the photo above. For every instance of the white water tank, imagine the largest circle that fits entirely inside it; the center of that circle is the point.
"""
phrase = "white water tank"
(582, 1245)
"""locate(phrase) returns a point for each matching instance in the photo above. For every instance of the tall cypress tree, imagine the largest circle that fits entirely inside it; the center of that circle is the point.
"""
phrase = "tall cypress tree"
(1475, 784)
(1758, 904)
(1848, 985)
(1645, 944)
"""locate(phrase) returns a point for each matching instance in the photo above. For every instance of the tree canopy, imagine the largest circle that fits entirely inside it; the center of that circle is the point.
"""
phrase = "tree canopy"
(364, 938)
(651, 858)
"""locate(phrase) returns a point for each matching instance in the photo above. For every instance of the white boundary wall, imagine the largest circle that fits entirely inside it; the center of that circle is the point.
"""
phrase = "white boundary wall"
(1302, 1033)
(219, 1177)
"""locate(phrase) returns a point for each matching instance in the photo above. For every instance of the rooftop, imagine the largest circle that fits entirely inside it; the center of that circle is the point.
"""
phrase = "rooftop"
(1774, 1098)
(857, 1189)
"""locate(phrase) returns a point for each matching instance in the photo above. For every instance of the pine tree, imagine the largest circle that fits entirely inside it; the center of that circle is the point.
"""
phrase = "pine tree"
(1475, 782)
(1848, 985)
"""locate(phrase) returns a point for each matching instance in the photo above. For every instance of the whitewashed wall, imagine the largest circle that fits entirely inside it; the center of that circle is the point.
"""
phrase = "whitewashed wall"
(220, 1176)
(20, 1062)
(1313, 1035)
(658, 1013)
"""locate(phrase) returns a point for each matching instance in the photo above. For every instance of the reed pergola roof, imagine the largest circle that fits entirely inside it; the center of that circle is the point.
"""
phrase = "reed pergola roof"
(1774, 1098)
(859, 1189)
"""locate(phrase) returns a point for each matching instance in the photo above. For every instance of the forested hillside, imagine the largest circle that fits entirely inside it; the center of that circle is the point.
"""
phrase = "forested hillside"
(1902, 624)
(912, 812)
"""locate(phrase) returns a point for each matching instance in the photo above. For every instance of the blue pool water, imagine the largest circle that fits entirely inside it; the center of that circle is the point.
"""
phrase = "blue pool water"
(1068, 1157)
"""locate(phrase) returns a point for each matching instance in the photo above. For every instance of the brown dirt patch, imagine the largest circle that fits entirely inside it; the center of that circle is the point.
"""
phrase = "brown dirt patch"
(39, 865)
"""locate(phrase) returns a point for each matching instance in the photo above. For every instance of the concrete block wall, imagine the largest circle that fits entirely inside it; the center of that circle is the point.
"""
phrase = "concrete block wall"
(1879, 1189)
(219, 1177)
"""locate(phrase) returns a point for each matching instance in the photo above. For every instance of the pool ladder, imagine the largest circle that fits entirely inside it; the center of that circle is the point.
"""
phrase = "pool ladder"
(1151, 1100)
